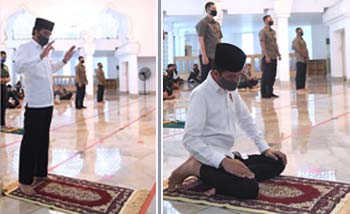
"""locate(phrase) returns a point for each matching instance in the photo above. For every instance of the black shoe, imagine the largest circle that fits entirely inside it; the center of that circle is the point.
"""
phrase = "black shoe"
(83, 107)
(78, 108)
(265, 96)
(274, 95)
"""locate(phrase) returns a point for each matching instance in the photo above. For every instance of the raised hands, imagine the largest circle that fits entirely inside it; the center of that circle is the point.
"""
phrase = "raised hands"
(46, 50)
(69, 54)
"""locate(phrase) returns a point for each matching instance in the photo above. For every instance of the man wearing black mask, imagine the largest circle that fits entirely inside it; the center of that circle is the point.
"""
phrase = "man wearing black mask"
(209, 35)
(33, 63)
(80, 83)
(193, 77)
(270, 53)
(5, 78)
(215, 108)
(302, 54)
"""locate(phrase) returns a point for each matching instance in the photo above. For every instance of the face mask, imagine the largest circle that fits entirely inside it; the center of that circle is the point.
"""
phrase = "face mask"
(228, 85)
(82, 61)
(301, 34)
(43, 40)
(270, 23)
(3, 60)
(213, 12)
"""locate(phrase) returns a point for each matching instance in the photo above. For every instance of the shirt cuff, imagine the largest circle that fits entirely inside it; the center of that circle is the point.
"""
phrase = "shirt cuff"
(262, 146)
(217, 159)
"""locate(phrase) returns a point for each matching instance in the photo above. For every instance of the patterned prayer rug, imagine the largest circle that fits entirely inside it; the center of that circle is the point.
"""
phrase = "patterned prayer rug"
(281, 195)
(13, 130)
(174, 124)
(80, 196)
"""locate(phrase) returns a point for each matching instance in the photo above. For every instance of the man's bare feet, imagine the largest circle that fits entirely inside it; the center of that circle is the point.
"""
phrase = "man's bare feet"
(27, 189)
(210, 192)
(300, 91)
(190, 167)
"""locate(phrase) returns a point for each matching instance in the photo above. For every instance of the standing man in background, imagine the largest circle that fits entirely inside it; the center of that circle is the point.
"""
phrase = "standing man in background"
(5, 78)
(101, 81)
(302, 54)
(209, 35)
(270, 53)
(80, 83)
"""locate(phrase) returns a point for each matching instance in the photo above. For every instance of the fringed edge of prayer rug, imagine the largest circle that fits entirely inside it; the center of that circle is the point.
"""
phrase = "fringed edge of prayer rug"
(343, 207)
(206, 203)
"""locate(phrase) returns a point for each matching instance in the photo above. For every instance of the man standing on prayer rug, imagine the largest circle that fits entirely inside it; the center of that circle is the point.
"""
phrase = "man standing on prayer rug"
(215, 108)
(35, 66)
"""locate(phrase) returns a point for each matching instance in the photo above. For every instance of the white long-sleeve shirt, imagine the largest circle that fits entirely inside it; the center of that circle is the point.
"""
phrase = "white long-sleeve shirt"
(36, 74)
(211, 121)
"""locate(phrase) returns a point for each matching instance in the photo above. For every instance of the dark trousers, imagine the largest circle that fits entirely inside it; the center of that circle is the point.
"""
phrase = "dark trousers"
(268, 77)
(300, 76)
(4, 100)
(100, 92)
(193, 77)
(34, 150)
(205, 68)
(79, 97)
(66, 96)
(248, 84)
(245, 188)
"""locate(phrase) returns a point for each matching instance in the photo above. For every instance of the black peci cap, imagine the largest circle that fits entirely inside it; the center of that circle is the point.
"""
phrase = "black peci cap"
(229, 57)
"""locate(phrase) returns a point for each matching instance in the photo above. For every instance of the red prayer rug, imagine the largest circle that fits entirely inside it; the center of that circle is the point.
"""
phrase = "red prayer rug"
(282, 195)
(80, 196)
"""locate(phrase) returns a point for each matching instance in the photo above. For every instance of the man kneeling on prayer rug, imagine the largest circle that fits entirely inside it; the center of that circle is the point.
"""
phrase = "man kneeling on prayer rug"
(215, 109)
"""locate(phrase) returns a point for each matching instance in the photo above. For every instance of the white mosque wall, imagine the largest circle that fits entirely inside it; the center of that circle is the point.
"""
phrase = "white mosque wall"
(112, 72)
(314, 35)
(151, 84)
(320, 49)
(337, 18)
(143, 16)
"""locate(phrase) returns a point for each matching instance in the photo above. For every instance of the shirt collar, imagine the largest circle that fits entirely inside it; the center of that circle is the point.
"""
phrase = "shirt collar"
(214, 84)
(210, 20)
(36, 44)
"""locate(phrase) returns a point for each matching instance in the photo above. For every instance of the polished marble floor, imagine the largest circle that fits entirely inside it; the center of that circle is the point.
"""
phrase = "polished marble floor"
(113, 143)
(312, 129)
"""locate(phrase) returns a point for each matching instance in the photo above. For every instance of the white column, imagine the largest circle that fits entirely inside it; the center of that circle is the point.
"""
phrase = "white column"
(170, 47)
(283, 43)
(133, 75)
(2, 36)
(220, 16)
(123, 76)
(89, 50)
(282, 10)
(347, 50)
(336, 53)
(128, 67)
(177, 44)
(182, 38)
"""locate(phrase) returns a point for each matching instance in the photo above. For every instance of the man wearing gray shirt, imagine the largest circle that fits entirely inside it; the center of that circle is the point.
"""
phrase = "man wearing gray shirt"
(214, 111)
(209, 35)
(270, 53)
(302, 54)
